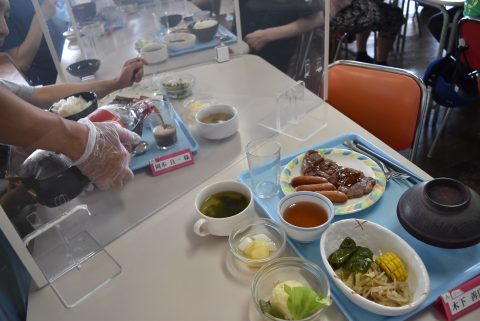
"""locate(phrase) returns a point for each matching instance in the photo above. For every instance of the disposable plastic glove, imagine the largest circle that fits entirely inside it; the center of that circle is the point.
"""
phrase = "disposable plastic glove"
(106, 158)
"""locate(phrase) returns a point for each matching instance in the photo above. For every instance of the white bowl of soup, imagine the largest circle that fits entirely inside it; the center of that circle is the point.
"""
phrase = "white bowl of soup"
(217, 121)
(305, 215)
(386, 277)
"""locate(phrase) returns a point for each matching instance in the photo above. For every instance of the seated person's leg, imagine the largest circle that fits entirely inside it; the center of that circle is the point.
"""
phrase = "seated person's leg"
(388, 21)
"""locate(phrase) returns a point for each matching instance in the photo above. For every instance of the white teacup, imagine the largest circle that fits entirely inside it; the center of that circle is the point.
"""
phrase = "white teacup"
(208, 225)
(154, 52)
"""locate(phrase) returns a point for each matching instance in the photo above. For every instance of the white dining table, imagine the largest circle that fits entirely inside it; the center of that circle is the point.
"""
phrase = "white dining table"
(168, 272)
(443, 6)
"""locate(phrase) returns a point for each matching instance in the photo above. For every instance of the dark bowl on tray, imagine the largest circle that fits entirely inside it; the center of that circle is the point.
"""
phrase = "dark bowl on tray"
(171, 20)
(84, 68)
(442, 212)
(84, 12)
(90, 97)
(203, 34)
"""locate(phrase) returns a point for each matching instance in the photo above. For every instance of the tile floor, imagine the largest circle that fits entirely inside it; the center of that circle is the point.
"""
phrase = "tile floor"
(457, 154)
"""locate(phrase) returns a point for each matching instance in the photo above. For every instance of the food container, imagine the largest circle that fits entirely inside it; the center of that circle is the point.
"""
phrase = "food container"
(217, 121)
(257, 242)
(379, 240)
(300, 233)
(205, 30)
(179, 40)
(289, 269)
(89, 97)
(176, 86)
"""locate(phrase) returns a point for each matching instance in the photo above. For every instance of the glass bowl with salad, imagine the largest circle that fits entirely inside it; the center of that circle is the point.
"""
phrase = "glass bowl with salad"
(257, 242)
(176, 86)
(290, 288)
(373, 267)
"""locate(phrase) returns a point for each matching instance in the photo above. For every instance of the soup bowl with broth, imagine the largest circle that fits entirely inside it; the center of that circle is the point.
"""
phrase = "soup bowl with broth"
(221, 206)
(305, 215)
(217, 121)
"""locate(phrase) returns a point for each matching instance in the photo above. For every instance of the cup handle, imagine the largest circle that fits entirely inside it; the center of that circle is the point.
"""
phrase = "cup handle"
(197, 227)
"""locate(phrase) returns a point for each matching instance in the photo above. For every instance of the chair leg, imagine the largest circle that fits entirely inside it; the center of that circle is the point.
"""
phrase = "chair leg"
(439, 132)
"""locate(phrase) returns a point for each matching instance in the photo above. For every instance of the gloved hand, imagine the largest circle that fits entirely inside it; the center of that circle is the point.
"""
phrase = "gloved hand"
(106, 158)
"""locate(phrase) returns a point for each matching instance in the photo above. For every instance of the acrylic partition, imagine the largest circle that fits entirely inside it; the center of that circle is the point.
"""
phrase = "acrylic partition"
(113, 31)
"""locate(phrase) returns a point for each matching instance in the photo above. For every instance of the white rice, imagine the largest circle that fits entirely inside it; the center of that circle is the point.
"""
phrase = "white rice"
(204, 24)
(70, 106)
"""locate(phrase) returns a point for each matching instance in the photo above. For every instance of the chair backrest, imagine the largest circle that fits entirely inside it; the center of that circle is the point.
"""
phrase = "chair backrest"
(388, 102)
(10, 71)
(469, 36)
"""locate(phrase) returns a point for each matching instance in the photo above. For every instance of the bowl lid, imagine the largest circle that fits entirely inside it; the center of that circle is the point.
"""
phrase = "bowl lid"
(442, 212)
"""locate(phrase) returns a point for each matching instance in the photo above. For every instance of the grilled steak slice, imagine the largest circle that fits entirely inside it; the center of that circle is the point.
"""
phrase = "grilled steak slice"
(347, 180)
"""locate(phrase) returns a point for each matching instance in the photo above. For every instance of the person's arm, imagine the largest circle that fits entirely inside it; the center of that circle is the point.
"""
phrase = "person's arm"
(97, 149)
(24, 54)
(260, 38)
(25, 125)
(132, 71)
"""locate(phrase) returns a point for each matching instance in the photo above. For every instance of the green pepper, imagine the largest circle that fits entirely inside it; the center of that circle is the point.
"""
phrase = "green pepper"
(348, 243)
(360, 260)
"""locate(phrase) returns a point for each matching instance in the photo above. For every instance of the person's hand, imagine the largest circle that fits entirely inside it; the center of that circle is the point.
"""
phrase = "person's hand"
(258, 39)
(49, 8)
(106, 158)
(132, 72)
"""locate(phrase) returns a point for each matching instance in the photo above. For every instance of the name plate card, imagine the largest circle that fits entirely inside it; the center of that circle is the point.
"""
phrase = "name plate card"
(461, 300)
(170, 162)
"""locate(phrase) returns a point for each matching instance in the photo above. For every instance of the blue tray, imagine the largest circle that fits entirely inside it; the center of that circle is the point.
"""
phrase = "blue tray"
(184, 140)
(447, 268)
(202, 45)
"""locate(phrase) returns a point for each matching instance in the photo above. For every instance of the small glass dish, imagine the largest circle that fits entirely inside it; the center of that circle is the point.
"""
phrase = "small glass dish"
(194, 104)
(176, 86)
(257, 242)
(289, 269)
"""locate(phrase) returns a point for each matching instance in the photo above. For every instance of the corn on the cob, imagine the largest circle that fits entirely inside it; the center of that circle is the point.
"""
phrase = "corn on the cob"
(393, 266)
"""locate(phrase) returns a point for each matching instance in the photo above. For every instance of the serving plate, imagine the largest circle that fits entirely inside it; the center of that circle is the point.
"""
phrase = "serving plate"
(346, 158)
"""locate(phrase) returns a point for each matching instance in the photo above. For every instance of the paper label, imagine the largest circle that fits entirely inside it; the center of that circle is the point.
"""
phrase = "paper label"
(170, 162)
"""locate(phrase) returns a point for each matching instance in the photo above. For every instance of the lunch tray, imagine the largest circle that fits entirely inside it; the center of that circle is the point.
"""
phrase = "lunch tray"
(184, 140)
(202, 45)
(447, 268)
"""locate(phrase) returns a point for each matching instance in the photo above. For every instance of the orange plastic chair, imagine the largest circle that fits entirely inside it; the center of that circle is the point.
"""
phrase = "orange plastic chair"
(388, 102)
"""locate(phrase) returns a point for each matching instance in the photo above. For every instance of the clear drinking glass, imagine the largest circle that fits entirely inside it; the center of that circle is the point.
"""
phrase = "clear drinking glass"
(263, 156)
(162, 123)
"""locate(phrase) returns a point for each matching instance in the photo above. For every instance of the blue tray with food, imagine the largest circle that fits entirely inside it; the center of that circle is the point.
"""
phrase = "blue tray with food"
(184, 140)
(223, 35)
(446, 268)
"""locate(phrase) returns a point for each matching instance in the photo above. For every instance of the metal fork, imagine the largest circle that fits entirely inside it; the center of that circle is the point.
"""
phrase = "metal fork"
(389, 173)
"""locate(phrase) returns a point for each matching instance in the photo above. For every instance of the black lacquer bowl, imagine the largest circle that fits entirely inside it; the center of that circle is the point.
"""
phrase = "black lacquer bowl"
(84, 68)
(442, 212)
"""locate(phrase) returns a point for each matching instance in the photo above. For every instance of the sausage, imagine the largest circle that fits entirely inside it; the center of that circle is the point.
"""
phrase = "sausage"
(335, 196)
(316, 187)
(307, 180)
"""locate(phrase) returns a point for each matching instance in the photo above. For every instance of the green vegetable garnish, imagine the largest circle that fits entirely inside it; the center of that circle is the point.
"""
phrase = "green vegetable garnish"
(303, 302)
(340, 256)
